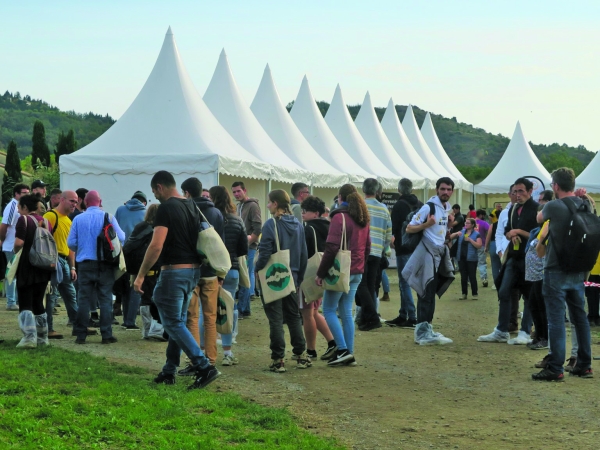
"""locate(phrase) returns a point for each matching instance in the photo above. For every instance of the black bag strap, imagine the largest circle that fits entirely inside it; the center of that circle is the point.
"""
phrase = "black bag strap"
(56, 223)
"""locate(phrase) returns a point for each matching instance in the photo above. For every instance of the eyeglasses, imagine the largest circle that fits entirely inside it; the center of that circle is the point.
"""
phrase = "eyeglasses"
(24, 192)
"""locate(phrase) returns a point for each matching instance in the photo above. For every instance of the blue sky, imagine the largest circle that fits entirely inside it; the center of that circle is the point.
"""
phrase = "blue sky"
(487, 63)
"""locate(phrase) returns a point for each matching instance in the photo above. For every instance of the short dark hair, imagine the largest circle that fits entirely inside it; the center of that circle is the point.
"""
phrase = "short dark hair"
(370, 186)
(511, 188)
(193, 186)
(471, 207)
(313, 204)
(444, 180)
(163, 178)
(405, 186)
(547, 195)
(456, 206)
(564, 178)
(55, 191)
(19, 187)
(525, 182)
(81, 193)
(481, 212)
(297, 187)
(240, 184)
(30, 201)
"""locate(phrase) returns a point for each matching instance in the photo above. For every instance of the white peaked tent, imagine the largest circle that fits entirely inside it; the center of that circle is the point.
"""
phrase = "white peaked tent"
(397, 136)
(416, 139)
(369, 127)
(518, 161)
(310, 122)
(589, 178)
(167, 127)
(276, 121)
(434, 144)
(225, 101)
(341, 125)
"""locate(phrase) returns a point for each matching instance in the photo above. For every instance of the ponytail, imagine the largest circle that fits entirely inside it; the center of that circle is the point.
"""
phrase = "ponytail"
(357, 208)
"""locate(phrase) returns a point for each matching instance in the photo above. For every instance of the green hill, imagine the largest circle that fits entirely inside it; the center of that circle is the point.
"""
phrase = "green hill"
(18, 114)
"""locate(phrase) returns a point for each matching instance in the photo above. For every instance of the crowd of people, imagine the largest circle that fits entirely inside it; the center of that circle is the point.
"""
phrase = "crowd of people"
(170, 283)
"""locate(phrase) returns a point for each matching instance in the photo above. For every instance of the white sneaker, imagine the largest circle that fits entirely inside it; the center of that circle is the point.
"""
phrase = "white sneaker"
(522, 339)
(229, 360)
(495, 336)
(493, 287)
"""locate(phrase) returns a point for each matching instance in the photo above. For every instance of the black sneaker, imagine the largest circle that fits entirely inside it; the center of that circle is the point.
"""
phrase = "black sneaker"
(131, 327)
(330, 353)
(187, 371)
(548, 375)
(409, 324)
(370, 326)
(396, 322)
(204, 377)
(80, 341)
(90, 332)
(341, 358)
(582, 373)
(538, 344)
(94, 323)
(311, 353)
(165, 378)
(110, 340)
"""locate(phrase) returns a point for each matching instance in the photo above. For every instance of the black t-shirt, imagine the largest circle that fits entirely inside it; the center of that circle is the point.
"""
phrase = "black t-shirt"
(521, 217)
(179, 215)
(460, 223)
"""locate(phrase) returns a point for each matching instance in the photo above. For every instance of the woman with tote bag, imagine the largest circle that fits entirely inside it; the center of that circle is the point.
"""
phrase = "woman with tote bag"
(349, 224)
(316, 229)
(236, 241)
(280, 234)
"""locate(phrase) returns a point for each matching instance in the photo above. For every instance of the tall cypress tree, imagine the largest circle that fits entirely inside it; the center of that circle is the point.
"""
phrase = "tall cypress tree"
(65, 145)
(12, 172)
(40, 153)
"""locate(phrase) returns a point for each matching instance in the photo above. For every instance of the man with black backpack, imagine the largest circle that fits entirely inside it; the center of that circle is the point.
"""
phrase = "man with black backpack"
(406, 204)
(88, 238)
(571, 243)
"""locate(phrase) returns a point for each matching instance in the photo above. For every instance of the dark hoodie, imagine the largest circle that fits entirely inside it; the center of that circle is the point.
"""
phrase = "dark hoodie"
(215, 218)
(291, 237)
(320, 228)
(403, 207)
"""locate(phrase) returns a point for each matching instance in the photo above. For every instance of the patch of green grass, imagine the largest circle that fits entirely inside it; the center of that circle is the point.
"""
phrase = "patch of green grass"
(55, 399)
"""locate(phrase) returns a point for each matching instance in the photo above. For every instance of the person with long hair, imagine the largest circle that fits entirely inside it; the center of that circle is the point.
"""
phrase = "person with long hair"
(31, 281)
(285, 310)
(236, 241)
(316, 229)
(469, 241)
(353, 210)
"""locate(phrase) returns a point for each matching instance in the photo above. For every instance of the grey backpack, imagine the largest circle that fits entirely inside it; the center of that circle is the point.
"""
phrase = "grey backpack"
(43, 253)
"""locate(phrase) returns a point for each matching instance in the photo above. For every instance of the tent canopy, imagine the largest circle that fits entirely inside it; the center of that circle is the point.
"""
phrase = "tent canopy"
(518, 161)
(276, 121)
(589, 177)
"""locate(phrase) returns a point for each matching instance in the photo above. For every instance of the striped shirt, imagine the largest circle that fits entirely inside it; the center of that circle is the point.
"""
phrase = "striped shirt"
(381, 226)
(10, 217)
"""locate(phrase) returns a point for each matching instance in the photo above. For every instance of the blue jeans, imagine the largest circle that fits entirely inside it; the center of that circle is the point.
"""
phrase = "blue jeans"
(333, 301)
(172, 296)
(130, 303)
(12, 297)
(385, 282)
(230, 284)
(482, 263)
(407, 304)
(495, 259)
(243, 305)
(67, 292)
(94, 278)
(562, 289)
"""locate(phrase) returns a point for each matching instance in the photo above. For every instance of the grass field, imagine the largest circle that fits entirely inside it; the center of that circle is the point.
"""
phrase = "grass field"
(57, 399)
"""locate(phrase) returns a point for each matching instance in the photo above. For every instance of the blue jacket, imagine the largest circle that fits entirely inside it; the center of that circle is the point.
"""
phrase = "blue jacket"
(471, 250)
(129, 215)
(291, 237)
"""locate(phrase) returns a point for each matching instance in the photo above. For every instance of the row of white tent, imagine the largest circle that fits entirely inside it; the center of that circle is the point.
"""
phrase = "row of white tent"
(219, 138)
(169, 126)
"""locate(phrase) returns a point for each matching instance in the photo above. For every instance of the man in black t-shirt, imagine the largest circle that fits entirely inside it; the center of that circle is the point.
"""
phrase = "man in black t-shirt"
(174, 242)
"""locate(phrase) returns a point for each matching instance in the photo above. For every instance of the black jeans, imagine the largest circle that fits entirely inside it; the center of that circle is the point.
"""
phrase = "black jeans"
(285, 311)
(593, 298)
(537, 307)
(426, 304)
(365, 294)
(468, 270)
(514, 278)
(95, 284)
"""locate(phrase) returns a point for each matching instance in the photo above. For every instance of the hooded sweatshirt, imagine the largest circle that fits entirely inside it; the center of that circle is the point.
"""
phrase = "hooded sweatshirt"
(129, 215)
(215, 218)
(291, 237)
(435, 233)
(249, 211)
(319, 228)
(296, 209)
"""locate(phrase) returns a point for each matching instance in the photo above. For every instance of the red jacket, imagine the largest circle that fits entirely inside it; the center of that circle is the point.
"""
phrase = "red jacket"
(359, 243)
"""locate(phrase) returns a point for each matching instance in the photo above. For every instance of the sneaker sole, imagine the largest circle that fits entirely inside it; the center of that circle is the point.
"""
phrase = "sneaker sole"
(340, 361)
(206, 383)
(557, 380)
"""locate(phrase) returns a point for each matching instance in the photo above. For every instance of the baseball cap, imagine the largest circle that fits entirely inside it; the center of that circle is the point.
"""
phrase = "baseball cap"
(37, 184)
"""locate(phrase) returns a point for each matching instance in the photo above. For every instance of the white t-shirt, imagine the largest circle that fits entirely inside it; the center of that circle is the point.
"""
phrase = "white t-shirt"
(501, 241)
(10, 217)
(435, 233)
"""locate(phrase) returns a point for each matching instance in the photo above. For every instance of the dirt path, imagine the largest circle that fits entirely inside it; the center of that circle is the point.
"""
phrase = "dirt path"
(464, 395)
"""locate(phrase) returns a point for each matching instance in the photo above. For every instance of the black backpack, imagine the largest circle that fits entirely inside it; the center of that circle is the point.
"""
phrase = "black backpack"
(108, 246)
(411, 240)
(580, 245)
(135, 248)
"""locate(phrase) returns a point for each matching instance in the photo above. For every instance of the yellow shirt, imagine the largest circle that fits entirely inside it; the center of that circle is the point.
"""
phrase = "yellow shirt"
(596, 268)
(62, 232)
